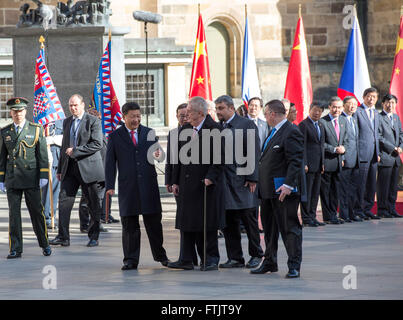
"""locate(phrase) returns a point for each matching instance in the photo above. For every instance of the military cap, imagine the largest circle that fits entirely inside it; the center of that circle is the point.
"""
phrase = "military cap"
(17, 103)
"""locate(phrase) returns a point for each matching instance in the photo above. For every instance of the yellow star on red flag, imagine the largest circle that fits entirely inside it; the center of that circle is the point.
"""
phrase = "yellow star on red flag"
(200, 80)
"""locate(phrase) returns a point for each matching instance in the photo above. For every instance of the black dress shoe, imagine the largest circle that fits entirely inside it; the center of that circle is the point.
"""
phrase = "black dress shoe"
(253, 262)
(113, 220)
(232, 264)
(57, 241)
(264, 268)
(129, 266)
(357, 219)
(336, 221)
(180, 265)
(84, 230)
(341, 221)
(165, 262)
(309, 224)
(384, 215)
(319, 223)
(347, 220)
(394, 214)
(292, 273)
(47, 251)
(14, 255)
(92, 243)
(209, 267)
(372, 216)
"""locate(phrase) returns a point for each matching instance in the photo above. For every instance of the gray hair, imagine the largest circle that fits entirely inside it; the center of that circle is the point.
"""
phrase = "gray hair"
(199, 104)
(334, 99)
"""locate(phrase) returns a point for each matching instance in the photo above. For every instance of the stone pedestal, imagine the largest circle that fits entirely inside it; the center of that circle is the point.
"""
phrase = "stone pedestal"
(73, 55)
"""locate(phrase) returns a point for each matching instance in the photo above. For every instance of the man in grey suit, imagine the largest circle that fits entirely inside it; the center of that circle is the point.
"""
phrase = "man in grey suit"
(255, 105)
(391, 146)
(240, 188)
(80, 164)
(350, 171)
(335, 147)
(368, 153)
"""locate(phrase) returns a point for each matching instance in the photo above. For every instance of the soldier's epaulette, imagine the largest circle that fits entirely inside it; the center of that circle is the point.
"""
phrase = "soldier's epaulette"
(7, 127)
(35, 124)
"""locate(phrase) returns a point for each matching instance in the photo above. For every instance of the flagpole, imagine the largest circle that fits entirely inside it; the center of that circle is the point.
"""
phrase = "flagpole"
(50, 185)
(198, 9)
(300, 11)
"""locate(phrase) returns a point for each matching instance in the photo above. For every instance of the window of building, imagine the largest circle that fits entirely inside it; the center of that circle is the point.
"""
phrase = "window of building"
(6, 92)
(136, 92)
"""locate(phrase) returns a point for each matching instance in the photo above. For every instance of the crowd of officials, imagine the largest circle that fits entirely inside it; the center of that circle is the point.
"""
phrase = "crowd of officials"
(344, 158)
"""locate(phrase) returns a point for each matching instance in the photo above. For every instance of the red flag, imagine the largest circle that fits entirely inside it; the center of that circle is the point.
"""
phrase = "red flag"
(396, 83)
(298, 88)
(200, 84)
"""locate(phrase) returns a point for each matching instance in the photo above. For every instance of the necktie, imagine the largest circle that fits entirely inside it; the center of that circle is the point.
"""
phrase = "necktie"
(74, 129)
(133, 137)
(336, 128)
(268, 139)
(317, 129)
(194, 133)
(371, 117)
(17, 129)
(350, 121)
(391, 120)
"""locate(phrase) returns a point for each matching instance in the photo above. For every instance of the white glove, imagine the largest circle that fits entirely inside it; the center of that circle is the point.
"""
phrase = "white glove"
(2, 187)
(43, 182)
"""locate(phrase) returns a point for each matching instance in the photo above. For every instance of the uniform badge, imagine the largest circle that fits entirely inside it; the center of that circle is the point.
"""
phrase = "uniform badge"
(29, 136)
(8, 138)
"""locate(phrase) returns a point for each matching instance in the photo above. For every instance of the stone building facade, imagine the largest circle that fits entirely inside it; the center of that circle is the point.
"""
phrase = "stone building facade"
(272, 23)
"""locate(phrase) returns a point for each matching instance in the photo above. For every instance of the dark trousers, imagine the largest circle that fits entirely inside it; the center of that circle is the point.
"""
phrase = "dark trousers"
(329, 194)
(84, 208)
(386, 191)
(308, 209)
(192, 239)
(35, 209)
(68, 191)
(131, 236)
(366, 187)
(232, 233)
(349, 178)
(281, 217)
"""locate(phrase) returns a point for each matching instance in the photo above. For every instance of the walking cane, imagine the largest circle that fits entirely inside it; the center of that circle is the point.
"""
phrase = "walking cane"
(205, 226)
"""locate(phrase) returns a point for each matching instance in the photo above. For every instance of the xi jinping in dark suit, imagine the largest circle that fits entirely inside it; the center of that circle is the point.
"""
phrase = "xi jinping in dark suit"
(131, 150)
(391, 145)
(314, 139)
(280, 168)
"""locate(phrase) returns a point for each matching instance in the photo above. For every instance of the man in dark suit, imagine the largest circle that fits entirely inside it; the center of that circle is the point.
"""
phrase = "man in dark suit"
(280, 169)
(368, 153)
(314, 140)
(80, 164)
(254, 109)
(128, 151)
(172, 158)
(240, 187)
(391, 146)
(350, 171)
(335, 147)
(198, 177)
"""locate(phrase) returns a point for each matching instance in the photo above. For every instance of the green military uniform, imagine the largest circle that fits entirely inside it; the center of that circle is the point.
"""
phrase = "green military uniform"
(23, 161)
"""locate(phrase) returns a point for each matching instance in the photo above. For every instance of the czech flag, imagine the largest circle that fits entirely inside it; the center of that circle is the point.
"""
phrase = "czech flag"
(250, 81)
(354, 77)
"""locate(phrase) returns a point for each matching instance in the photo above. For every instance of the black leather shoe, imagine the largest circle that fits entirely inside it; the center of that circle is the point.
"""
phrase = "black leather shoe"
(357, 219)
(84, 230)
(113, 220)
(384, 215)
(209, 267)
(319, 223)
(253, 262)
(372, 216)
(347, 220)
(14, 255)
(47, 251)
(129, 266)
(180, 265)
(292, 273)
(165, 262)
(232, 264)
(341, 221)
(92, 243)
(264, 268)
(57, 241)
(394, 214)
(336, 221)
(310, 224)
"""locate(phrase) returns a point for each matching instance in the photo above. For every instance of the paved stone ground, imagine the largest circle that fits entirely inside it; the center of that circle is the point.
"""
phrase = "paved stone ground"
(375, 248)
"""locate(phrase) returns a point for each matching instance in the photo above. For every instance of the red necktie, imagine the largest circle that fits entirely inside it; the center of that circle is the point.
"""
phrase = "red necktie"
(336, 128)
(133, 137)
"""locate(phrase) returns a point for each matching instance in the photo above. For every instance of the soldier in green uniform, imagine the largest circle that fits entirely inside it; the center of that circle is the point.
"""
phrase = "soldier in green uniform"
(23, 168)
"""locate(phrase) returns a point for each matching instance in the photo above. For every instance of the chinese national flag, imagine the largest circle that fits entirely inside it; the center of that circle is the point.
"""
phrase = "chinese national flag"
(298, 88)
(200, 84)
(396, 83)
